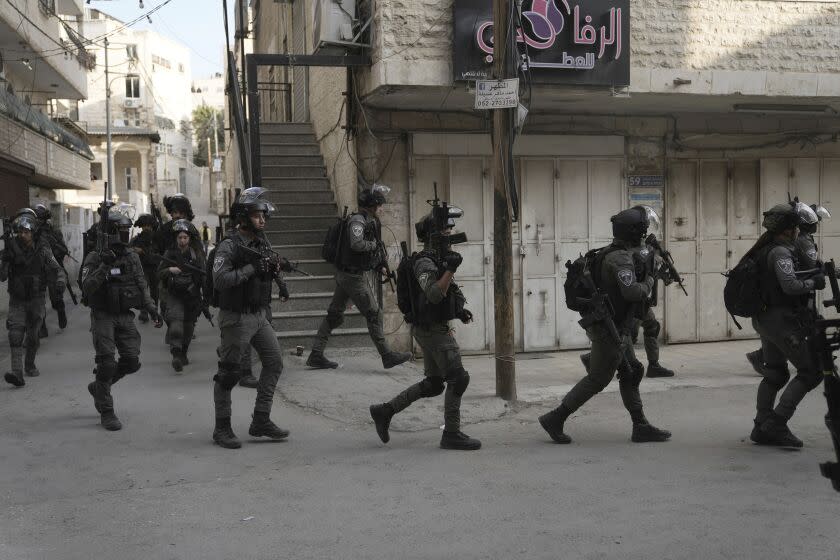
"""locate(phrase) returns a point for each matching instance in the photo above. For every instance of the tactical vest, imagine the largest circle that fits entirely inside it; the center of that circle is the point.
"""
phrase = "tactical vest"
(771, 290)
(353, 260)
(428, 313)
(185, 284)
(26, 279)
(120, 292)
(249, 297)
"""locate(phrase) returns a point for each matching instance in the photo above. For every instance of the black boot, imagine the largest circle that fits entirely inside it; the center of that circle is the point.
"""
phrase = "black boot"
(756, 360)
(177, 363)
(554, 420)
(656, 370)
(92, 391)
(382, 414)
(317, 360)
(110, 421)
(62, 317)
(458, 441)
(16, 380)
(392, 359)
(262, 426)
(643, 433)
(248, 380)
(584, 359)
(777, 433)
(757, 436)
(223, 435)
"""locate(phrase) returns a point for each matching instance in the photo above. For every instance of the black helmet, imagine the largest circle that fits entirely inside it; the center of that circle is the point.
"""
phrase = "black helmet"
(631, 225)
(183, 225)
(433, 229)
(42, 212)
(789, 215)
(178, 202)
(26, 212)
(373, 197)
(119, 224)
(253, 199)
(25, 221)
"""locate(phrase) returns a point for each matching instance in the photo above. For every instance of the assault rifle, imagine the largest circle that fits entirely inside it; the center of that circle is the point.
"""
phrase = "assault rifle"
(155, 211)
(444, 216)
(10, 243)
(390, 276)
(824, 345)
(667, 259)
(275, 259)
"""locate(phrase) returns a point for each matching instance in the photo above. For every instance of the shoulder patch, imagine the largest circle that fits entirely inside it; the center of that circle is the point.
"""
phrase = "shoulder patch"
(785, 265)
(625, 276)
(644, 252)
(357, 229)
(218, 263)
(812, 254)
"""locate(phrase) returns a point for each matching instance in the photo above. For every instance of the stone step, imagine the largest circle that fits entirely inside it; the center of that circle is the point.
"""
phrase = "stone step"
(290, 149)
(293, 171)
(287, 137)
(296, 184)
(310, 284)
(340, 338)
(311, 251)
(280, 198)
(275, 127)
(315, 267)
(310, 320)
(317, 209)
(313, 301)
(297, 223)
(284, 160)
(300, 237)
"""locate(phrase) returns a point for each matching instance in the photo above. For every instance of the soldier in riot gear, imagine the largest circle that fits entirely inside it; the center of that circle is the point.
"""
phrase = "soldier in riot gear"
(436, 300)
(113, 283)
(179, 208)
(360, 252)
(784, 323)
(808, 256)
(143, 245)
(178, 273)
(243, 281)
(52, 236)
(614, 272)
(29, 268)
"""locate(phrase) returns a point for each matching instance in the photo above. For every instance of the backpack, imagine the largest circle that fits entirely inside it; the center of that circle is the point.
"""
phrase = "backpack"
(573, 287)
(332, 242)
(406, 286)
(742, 291)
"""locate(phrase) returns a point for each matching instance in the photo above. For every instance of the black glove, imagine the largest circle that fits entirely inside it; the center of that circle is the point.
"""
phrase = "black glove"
(283, 290)
(152, 311)
(819, 281)
(452, 261)
(108, 257)
(465, 316)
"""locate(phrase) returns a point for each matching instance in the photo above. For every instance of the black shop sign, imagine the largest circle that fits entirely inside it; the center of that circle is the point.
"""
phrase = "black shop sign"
(584, 42)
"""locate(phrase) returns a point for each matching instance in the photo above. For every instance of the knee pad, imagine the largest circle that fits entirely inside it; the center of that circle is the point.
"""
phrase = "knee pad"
(127, 365)
(106, 371)
(459, 380)
(16, 336)
(334, 320)
(228, 375)
(653, 331)
(631, 374)
(776, 376)
(432, 386)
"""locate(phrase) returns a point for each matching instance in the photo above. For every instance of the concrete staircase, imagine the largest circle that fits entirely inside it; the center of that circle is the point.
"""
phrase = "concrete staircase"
(294, 173)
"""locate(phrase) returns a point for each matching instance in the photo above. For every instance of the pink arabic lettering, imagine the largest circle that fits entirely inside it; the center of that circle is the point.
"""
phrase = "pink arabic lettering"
(546, 22)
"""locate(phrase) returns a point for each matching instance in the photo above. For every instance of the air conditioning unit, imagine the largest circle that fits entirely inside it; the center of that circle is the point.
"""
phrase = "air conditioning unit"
(333, 25)
(132, 103)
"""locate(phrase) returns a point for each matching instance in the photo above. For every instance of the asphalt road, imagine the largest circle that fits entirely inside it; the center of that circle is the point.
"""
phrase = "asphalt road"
(160, 490)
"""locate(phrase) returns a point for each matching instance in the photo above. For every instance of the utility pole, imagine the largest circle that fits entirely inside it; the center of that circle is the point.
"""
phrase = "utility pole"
(108, 152)
(502, 227)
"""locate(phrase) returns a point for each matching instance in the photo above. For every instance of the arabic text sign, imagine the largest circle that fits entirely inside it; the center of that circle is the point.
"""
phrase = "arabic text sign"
(497, 94)
(567, 41)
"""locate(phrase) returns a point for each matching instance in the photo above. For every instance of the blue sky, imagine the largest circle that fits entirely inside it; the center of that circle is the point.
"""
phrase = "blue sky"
(195, 23)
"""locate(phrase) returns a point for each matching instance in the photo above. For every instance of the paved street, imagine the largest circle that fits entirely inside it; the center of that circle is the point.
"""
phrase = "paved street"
(160, 490)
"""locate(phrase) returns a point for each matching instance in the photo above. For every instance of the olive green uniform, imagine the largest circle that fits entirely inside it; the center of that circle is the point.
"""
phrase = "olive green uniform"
(618, 279)
(358, 254)
(783, 327)
(112, 291)
(441, 355)
(29, 272)
(243, 298)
